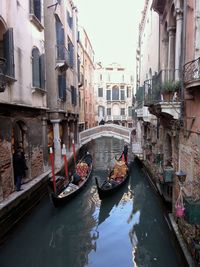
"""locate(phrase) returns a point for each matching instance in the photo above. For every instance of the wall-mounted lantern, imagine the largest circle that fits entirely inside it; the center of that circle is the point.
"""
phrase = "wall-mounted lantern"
(181, 176)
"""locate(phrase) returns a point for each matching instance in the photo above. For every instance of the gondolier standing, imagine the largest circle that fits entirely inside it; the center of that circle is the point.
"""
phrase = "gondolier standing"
(125, 153)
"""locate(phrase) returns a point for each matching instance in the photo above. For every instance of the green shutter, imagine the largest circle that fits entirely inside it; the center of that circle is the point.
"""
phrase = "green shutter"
(42, 71)
(36, 67)
(8, 49)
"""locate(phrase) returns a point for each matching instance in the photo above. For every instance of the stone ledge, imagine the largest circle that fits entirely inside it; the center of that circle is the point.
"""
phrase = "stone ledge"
(181, 241)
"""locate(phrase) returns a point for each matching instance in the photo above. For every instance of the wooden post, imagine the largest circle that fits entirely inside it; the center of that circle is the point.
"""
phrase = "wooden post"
(74, 151)
(53, 169)
(64, 153)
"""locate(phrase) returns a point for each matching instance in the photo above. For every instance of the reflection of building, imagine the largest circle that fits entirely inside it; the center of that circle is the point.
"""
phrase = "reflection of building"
(114, 92)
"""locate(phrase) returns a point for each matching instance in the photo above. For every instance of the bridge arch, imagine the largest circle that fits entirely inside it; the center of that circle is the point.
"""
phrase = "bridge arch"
(111, 130)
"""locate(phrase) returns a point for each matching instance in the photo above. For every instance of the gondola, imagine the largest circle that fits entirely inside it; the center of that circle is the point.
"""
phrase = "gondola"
(65, 191)
(111, 185)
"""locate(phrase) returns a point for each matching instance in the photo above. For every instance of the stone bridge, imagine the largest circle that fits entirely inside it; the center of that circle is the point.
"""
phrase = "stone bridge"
(111, 130)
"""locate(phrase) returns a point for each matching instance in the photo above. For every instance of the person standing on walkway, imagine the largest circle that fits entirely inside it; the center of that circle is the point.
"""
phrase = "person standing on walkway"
(19, 165)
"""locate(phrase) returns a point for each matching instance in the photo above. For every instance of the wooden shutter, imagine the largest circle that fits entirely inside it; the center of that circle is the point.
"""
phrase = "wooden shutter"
(37, 9)
(60, 40)
(36, 67)
(62, 87)
(42, 71)
(8, 49)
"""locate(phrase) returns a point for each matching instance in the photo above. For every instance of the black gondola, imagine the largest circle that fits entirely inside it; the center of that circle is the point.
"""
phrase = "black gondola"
(64, 193)
(109, 185)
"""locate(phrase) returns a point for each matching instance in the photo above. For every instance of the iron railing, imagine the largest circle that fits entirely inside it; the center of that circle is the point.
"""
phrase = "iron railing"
(191, 71)
(62, 54)
(165, 81)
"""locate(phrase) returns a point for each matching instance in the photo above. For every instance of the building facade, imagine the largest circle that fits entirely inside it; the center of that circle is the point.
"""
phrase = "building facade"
(61, 31)
(86, 78)
(114, 95)
(170, 142)
(23, 96)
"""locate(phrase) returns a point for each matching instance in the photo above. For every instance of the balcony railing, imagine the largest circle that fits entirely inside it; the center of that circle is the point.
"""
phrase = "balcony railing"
(161, 84)
(192, 71)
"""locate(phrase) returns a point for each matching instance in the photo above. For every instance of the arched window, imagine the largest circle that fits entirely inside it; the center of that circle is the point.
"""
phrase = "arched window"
(38, 69)
(115, 93)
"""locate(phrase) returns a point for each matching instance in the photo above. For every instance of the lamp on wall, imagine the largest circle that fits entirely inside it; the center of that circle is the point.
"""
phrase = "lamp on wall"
(2, 74)
(181, 176)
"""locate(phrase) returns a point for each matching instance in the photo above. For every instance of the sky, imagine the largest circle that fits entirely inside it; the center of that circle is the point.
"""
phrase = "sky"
(112, 27)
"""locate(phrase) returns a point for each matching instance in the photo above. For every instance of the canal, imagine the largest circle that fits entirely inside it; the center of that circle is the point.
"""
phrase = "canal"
(128, 229)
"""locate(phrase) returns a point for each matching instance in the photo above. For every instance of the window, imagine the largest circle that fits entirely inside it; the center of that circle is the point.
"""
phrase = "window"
(100, 92)
(108, 111)
(73, 95)
(130, 111)
(8, 52)
(101, 111)
(71, 53)
(100, 77)
(128, 93)
(38, 69)
(122, 111)
(69, 20)
(35, 8)
(60, 40)
(122, 94)
(108, 95)
(62, 86)
(115, 93)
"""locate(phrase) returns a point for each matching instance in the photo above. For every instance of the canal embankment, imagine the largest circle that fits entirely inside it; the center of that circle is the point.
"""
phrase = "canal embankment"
(18, 204)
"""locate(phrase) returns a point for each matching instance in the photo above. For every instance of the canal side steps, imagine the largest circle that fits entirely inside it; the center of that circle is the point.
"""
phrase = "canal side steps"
(18, 204)
(170, 219)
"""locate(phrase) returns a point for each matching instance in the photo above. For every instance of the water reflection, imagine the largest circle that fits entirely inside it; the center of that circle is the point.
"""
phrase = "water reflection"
(127, 229)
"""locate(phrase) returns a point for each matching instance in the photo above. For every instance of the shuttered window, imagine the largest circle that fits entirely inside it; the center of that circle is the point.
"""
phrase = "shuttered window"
(122, 95)
(71, 53)
(62, 86)
(122, 111)
(100, 92)
(37, 9)
(108, 95)
(108, 111)
(8, 50)
(115, 93)
(60, 40)
(73, 95)
(130, 111)
(38, 69)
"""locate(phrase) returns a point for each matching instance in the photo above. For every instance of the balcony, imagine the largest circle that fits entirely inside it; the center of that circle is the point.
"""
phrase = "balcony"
(191, 74)
(62, 57)
(162, 93)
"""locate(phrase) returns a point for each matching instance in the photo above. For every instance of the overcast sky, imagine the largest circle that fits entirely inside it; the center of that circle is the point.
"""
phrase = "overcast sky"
(112, 26)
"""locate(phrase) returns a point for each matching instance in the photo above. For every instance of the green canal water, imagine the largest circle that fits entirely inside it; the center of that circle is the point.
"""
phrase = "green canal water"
(127, 229)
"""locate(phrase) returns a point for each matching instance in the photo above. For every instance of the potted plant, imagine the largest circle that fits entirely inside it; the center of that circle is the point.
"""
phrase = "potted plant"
(168, 88)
